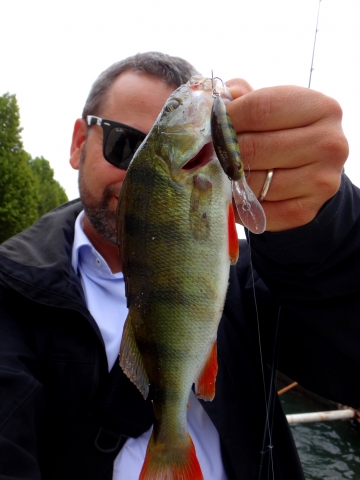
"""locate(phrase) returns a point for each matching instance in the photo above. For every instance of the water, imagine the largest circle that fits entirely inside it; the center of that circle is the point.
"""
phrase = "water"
(328, 450)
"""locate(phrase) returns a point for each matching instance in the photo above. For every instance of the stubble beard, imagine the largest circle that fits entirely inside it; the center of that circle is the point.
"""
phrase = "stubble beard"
(98, 212)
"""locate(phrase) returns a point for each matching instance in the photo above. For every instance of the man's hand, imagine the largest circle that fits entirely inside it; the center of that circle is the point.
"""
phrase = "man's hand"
(297, 132)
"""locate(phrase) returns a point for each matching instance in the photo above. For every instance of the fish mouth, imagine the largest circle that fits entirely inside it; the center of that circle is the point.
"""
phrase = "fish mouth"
(202, 158)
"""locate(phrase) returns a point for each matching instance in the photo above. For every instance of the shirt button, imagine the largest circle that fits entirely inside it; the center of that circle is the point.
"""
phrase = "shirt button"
(98, 261)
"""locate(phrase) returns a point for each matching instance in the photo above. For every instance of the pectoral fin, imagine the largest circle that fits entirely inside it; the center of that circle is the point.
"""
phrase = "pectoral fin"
(131, 361)
(205, 383)
(232, 235)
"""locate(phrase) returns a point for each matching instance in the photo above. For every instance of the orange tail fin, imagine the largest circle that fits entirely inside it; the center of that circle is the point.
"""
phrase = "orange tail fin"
(179, 463)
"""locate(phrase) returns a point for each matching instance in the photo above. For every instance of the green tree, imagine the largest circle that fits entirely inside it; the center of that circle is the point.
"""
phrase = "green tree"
(50, 192)
(18, 193)
(27, 186)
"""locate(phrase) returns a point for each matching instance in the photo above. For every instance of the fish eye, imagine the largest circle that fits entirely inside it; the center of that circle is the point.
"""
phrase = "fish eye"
(172, 105)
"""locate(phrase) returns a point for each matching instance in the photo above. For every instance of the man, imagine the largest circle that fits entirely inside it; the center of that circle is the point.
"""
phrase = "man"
(67, 411)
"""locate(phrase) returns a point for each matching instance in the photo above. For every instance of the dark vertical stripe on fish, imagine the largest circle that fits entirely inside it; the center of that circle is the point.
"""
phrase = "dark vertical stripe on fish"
(224, 139)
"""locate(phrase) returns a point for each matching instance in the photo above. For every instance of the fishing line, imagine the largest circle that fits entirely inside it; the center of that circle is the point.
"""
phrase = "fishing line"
(268, 429)
(268, 401)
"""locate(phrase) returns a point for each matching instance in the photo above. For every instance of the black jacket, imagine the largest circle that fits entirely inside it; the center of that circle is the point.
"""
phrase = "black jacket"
(54, 383)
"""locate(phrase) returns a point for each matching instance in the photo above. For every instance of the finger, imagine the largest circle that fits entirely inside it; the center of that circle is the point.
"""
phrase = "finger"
(288, 214)
(292, 148)
(281, 107)
(286, 184)
(284, 215)
(295, 196)
(289, 184)
(238, 87)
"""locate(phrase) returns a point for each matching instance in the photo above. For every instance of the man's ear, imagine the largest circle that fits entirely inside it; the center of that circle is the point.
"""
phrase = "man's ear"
(77, 143)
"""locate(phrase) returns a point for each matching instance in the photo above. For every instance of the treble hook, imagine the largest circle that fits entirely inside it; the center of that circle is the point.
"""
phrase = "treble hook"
(215, 93)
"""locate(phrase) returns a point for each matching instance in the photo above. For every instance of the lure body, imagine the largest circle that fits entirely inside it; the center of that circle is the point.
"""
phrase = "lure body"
(227, 150)
(224, 140)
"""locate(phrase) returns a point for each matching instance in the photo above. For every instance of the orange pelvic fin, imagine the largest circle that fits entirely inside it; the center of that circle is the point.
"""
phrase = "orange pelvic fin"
(179, 463)
(233, 238)
(205, 383)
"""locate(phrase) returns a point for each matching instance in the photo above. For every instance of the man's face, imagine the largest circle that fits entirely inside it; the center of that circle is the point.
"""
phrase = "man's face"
(135, 99)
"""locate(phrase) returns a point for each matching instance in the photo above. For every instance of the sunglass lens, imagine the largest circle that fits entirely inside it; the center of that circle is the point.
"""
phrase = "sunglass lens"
(121, 144)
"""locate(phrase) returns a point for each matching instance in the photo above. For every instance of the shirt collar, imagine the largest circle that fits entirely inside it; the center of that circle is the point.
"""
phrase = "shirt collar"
(84, 251)
(80, 239)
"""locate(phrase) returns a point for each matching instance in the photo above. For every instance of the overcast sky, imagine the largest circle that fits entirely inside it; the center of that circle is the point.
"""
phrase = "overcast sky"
(52, 51)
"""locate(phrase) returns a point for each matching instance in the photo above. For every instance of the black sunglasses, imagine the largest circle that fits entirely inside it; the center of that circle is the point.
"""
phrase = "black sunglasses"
(120, 141)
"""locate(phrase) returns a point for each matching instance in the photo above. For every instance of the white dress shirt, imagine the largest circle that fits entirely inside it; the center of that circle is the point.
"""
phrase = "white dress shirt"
(106, 301)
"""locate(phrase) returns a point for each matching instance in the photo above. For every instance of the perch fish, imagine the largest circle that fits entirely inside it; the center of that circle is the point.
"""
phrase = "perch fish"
(177, 239)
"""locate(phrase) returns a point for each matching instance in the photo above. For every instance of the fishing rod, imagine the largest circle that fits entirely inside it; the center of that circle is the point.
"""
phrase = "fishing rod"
(313, 54)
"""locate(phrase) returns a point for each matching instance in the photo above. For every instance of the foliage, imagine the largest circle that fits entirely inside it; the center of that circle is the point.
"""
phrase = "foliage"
(50, 192)
(27, 187)
(18, 196)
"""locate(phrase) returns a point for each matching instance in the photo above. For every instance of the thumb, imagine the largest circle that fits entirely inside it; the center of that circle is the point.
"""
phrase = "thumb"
(238, 87)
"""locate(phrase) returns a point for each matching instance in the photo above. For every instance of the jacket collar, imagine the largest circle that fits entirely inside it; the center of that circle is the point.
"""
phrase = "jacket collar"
(37, 261)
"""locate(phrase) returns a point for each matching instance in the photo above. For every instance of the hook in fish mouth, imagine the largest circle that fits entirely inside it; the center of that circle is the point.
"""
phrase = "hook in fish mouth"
(203, 157)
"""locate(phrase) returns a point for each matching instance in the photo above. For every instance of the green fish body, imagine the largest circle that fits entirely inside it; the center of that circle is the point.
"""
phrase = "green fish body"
(175, 225)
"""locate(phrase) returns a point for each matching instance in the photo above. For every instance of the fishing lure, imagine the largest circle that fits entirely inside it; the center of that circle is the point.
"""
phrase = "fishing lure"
(227, 150)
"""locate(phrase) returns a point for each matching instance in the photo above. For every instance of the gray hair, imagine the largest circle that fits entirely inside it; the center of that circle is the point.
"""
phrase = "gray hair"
(175, 71)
